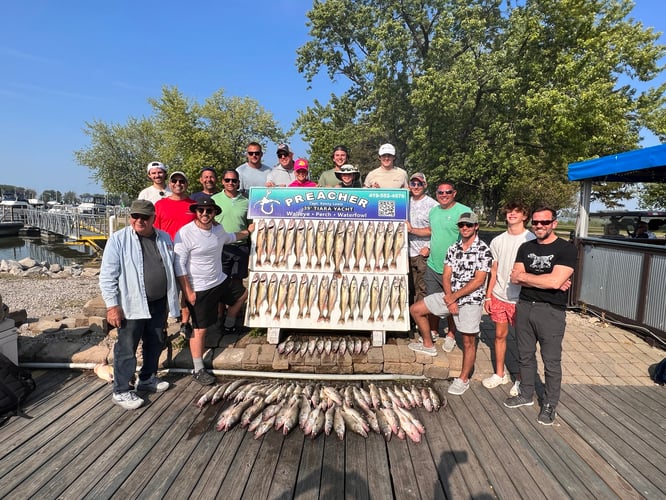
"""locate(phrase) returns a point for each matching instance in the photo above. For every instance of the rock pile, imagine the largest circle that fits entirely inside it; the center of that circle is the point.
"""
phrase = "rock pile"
(30, 267)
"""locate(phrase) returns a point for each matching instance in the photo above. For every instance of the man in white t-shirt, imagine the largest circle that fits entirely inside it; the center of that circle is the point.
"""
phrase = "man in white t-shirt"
(387, 175)
(502, 295)
(157, 174)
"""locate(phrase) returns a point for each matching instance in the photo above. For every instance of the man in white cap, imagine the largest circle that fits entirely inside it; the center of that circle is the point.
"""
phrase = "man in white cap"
(157, 174)
(283, 173)
(387, 175)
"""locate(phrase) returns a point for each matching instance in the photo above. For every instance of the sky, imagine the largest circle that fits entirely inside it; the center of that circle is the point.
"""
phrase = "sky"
(64, 63)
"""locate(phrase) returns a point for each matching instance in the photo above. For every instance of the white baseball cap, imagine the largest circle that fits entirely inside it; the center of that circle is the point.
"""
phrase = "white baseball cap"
(156, 164)
(387, 149)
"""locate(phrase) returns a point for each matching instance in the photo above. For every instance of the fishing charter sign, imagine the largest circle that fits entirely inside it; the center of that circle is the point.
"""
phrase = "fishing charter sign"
(329, 203)
(328, 259)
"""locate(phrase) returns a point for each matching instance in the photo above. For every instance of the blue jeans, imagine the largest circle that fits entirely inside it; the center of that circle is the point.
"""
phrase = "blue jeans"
(543, 323)
(151, 332)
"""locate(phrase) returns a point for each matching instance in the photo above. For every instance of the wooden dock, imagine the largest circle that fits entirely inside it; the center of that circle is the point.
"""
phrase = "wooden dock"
(608, 442)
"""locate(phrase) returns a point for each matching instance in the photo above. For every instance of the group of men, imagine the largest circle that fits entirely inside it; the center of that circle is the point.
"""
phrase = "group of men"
(199, 243)
(521, 280)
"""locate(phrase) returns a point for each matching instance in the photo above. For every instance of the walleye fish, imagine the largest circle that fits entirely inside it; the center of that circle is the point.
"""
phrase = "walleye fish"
(342, 347)
(402, 299)
(252, 411)
(320, 242)
(320, 345)
(394, 297)
(299, 242)
(309, 243)
(387, 252)
(359, 241)
(292, 287)
(398, 242)
(272, 292)
(350, 235)
(363, 294)
(332, 297)
(312, 345)
(207, 396)
(369, 244)
(252, 294)
(288, 242)
(339, 424)
(353, 423)
(384, 426)
(313, 289)
(262, 289)
(436, 402)
(339, 247)
(281, 295)
(408, 426)
(291, 418)
(329, 242)
(270, 241)
(344, 299)
(374, 394)
(259, 242)
(323, 298)
(352, 299)
(425, 397)
(302, 296)
(328, 345)
(365, 347)
(328, 420)
(279, 242)
(232, 415)
(379, 244)
(383, 298)
(374, 298)
(263, 427)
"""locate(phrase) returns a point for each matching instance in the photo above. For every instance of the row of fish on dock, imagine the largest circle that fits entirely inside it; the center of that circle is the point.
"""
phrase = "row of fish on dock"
(360, 246)
(300, 346)
(318, 408)
(356, 300)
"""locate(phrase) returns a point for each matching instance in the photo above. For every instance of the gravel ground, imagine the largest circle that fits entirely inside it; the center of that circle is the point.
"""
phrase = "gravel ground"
(42, 297)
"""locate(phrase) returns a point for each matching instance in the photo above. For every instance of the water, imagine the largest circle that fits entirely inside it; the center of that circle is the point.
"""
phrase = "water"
(15, 248)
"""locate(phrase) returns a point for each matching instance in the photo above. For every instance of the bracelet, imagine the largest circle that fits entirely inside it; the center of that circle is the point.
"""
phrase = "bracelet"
(487, 299)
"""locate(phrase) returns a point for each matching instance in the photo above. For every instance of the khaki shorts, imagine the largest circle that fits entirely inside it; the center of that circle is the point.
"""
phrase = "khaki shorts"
(468, 318)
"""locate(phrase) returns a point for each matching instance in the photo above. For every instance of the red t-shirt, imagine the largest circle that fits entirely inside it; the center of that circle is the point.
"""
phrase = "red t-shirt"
(171, 215)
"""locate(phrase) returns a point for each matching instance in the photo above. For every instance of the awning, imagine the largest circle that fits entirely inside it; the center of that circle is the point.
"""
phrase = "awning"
(640, 165)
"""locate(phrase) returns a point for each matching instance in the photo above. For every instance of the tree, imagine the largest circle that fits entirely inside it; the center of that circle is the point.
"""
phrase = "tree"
(653, 196)
(182, 133)
(497, 96)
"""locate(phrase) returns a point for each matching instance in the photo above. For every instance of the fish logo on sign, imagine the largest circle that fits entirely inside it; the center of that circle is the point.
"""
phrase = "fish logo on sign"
(266, 204)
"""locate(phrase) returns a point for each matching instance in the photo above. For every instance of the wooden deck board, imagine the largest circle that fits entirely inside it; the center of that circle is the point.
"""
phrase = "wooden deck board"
(607, 442)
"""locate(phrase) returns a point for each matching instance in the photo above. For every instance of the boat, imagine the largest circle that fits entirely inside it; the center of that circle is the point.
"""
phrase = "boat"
(10, 228)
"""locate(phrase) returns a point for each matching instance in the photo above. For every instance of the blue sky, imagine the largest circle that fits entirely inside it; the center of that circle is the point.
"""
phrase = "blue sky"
(67, 62)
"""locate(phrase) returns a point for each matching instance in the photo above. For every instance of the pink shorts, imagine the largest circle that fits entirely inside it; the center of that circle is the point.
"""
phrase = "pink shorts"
(502, 312)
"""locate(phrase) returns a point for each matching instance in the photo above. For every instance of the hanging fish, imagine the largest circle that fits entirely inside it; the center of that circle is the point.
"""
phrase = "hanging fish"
(259, 242)
(299, 243)
(309, 243)
(379, 244)
(398, 242)
(387, 253)
(291, 294)
(302, 296)
(369, 244)
(359, 241)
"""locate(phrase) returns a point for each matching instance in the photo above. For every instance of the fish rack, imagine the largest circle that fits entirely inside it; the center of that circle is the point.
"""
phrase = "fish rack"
(314, 273)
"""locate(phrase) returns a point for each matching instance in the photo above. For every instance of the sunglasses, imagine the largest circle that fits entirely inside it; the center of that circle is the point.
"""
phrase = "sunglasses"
(205, 210)
(178, 181)
(466, 224)
(140, 216)
(254, 153)
(416, 184)
(448, 191)
(235, 181)
(282, 155)
(542, 222)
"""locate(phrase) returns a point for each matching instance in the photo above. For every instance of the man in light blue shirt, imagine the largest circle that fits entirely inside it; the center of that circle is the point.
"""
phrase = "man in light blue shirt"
(139, 288)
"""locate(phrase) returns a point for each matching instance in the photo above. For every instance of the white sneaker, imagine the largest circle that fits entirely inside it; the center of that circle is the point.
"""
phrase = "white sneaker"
(153, 384)
(495, 380)
(515, 390)
(128, 400)
(458, 387)
(449, 344)
(416, 347)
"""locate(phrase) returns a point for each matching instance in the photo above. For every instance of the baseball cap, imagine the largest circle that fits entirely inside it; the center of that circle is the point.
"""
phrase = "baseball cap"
(469, 217)
(418, 175)
(142, 207)
(347, 169)
(178, 172)
(284, 147)
(205, 201)
(301, 164)
(387, 149)
(155, 164)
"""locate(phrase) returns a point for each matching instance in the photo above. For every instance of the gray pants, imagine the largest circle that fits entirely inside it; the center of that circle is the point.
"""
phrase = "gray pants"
(543, 323)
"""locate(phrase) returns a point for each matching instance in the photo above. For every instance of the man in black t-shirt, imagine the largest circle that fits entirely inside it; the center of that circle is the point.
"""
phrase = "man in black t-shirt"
(543, 268)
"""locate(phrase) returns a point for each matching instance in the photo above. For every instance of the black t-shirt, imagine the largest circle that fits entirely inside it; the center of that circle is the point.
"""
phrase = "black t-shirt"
(540, 259)
(154, 275)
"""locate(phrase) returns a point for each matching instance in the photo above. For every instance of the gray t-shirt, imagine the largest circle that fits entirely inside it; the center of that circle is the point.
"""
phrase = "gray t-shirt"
(250, 176)
(419, 211)
(154, 274)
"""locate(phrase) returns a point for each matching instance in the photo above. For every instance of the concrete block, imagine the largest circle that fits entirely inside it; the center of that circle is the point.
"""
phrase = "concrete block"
(403, 368)
(376, 355)
(228, 359)
(344, 370)
(369, 368)
(251, 355)
(391, 354)
(433, 371)
(280, 364)
(266, 354)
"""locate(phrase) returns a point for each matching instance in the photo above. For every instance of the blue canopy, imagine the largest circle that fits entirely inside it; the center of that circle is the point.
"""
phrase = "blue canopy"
(640, 165)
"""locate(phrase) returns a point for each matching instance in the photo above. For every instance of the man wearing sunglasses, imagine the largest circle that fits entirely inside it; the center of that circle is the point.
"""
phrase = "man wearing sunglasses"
(198, 266)
(283, 173)
(158, 189)
(443, 234)
(467, 265)
(387, 175)
(208, 181)
(236, 255)
(139, 288)
(543, 269)
(253, 172)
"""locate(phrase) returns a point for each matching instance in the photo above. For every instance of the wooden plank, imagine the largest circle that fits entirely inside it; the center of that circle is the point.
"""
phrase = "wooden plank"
(356, 467)
(309, 472)
(284, 480)
(241, 466)
(510, 447)
(640, 404)
(606, 443)
(425, 472)
(653, 396)
(130, 476)
(333, 469)
(378, 467)
(261, 475)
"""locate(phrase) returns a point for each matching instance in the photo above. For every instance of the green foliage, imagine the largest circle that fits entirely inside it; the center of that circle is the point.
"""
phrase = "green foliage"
(182, 133)
(498, 97)
(653, 196)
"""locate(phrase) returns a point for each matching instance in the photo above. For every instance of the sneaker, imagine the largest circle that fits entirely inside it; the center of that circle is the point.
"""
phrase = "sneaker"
(458, 387)
(229, 330)
(186, 330)
(434, 334)
(449, 344)
(203, 377)
(495, 380)
(153, 384)
(517, 401)
(547, 415)
(128, 400)
(515, 390)
(417, 347)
